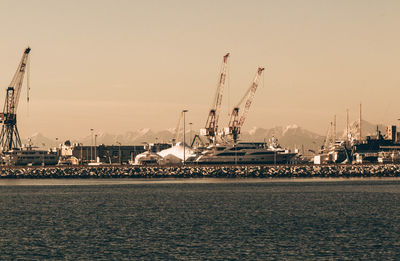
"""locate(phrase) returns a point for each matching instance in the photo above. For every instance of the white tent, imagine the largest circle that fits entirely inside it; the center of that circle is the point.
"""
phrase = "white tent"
(171, 159)
(177, 152)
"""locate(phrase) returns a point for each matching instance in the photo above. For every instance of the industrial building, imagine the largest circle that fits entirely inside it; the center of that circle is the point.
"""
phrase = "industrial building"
(108, 154)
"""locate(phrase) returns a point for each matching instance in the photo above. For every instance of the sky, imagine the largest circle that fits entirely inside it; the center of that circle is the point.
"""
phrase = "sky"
(117, 66)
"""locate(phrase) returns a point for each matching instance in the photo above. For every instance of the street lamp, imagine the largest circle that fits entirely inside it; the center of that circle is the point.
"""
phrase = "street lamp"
(91, 147)
(42, 152)
(56, 145)
(157, 145)
(81, 145)
(184, 136)
(119, 151)
(95, 147)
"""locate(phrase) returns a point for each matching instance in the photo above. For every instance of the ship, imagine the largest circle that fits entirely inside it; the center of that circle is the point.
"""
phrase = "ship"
(378, 147)
(246, 153)
(27, 156)
(338, 152)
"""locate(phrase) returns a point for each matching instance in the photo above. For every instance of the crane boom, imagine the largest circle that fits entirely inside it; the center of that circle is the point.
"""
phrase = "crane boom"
(9, 136)
(236, 123)
(213, 116)
(16, 83)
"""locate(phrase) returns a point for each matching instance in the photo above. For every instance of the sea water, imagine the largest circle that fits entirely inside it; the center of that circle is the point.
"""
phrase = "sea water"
(194, 219)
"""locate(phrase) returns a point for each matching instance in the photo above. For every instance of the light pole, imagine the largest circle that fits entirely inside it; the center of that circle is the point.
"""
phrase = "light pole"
(119, 151)
(91, 147)
(81, 145)
(95, 147)
(42, 152)
(190, 137)
(157, 145)
(184, 136)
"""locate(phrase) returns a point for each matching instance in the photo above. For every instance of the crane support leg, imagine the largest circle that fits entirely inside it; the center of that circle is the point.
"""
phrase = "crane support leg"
(9, 137)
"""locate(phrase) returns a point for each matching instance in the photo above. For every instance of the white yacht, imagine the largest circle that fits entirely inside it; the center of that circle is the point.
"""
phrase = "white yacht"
(246, 153)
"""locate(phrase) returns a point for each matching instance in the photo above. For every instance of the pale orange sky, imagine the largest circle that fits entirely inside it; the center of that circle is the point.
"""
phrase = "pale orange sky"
(117, 66)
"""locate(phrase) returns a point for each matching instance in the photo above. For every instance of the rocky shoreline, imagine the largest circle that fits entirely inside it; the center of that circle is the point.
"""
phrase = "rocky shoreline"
(280, 171)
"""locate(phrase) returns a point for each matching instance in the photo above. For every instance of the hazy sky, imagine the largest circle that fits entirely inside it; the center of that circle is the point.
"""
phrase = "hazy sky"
(117, 66)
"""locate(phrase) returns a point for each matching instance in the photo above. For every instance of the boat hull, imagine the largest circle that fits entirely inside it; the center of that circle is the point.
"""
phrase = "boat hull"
(270, 158)
(30, 157)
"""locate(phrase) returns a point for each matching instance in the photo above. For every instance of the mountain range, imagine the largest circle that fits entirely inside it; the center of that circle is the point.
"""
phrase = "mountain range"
(291, 136)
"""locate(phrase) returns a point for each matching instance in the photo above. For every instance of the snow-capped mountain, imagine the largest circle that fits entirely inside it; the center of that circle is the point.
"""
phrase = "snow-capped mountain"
(291, 136)
(39, 140)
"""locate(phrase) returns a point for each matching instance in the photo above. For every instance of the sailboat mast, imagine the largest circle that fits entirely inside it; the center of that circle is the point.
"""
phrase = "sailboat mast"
(360, 122)
(347, 126)
(334, 129)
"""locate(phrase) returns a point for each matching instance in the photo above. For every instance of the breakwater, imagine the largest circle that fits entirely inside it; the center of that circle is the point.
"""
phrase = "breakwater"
(280, 171)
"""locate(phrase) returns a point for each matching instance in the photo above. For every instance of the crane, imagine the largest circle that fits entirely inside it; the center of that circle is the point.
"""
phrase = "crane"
(236, 123)
(9, 136)
(178, 129)
(328, 142)
(212, 120)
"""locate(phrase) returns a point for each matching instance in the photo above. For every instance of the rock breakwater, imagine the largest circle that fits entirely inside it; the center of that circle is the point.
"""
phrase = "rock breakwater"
(281, 171)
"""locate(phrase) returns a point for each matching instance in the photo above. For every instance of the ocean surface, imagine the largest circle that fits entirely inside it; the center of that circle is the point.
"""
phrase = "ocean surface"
(197, 219)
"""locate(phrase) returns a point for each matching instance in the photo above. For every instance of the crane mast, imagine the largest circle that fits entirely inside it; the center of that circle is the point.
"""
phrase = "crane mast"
(213, 116)
(236, 123)
(9, 136)
(328, 139)
(176, 138)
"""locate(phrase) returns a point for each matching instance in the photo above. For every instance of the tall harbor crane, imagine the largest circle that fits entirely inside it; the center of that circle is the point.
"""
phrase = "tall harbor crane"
(9, 136)
(236, 123)
(212, 121)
